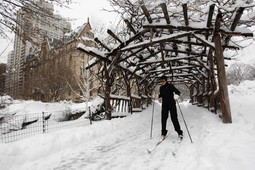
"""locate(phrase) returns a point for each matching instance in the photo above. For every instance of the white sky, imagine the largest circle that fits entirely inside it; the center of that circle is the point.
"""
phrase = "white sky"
(80, 11)
(92, 9)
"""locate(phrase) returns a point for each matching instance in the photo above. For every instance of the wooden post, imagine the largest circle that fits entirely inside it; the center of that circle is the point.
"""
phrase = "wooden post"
(107, 94)
(223, 90)
(129, 95)
(127, 83)
(204, 99)
(197, 92)
(212, 82)
(191, 93)
(139, 92)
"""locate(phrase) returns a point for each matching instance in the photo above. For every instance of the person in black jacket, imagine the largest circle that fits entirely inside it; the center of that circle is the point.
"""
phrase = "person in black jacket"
(169, 94)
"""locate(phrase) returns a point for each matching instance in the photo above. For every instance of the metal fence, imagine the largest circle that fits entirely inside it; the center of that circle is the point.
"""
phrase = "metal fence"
(16, 127)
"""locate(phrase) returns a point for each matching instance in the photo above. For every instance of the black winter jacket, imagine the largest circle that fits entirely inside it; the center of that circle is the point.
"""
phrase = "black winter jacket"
(167, 93)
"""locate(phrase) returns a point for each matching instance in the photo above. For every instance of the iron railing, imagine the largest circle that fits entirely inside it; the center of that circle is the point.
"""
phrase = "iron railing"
(16, 127)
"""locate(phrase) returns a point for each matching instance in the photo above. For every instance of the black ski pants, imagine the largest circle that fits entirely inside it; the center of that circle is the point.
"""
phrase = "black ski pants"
(173, 113)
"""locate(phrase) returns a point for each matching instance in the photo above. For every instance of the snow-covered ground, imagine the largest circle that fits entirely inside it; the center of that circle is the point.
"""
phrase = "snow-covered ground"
(122, 143)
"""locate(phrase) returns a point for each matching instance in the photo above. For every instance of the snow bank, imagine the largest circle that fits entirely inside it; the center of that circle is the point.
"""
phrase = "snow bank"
(245, 88)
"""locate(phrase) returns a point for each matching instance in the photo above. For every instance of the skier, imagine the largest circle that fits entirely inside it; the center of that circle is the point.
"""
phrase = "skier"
(169, 94)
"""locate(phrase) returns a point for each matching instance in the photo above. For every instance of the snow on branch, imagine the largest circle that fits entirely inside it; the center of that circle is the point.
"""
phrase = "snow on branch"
(204, 41)
(119, 97)
(156, 40)
(91, 50)
(135, 96)
(150, 61)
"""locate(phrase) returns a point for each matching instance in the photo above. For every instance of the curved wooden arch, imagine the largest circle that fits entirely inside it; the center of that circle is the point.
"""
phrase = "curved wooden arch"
(188, 52)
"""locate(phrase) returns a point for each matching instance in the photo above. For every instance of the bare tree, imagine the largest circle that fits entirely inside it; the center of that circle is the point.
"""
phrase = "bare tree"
(53, 80)
(59, 85)
(239, 72)
(83, 84)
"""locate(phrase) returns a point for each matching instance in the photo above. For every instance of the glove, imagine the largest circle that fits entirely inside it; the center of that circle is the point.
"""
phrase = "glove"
(160, 100)
(176, 96)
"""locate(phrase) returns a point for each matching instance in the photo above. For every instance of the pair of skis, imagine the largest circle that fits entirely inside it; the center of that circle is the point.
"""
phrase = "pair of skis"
(155, 146)
(174, 151)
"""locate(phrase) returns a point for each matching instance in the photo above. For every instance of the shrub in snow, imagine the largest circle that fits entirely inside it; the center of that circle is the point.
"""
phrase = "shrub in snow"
(5, 101)
(97, 109)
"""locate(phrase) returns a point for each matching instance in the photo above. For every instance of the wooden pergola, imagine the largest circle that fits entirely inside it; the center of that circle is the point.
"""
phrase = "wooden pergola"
(187, 50)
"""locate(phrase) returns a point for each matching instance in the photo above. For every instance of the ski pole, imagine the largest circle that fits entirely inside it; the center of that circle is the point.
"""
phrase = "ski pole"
(184, 122)
(152, 115)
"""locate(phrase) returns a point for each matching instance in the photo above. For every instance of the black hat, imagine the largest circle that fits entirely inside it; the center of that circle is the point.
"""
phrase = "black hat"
(163, 78)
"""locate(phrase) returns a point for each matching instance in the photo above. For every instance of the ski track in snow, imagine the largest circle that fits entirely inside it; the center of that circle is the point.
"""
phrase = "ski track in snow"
(129, 144)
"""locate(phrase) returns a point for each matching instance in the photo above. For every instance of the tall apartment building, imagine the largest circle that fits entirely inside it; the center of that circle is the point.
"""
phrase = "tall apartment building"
(2, 77)
(9, 73)
(36, 30)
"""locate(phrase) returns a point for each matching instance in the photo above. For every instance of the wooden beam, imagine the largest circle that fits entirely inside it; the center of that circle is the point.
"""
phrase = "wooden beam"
(198, 30)
(185, 52)
(92, 53)
(167, 18)
(201, 72)
(163, 25)
(185, 14)
(108, 110)
(239, 13)
(166, 15)
(189, 62)
(187, 81)
(151, 54)
(132, 53)
(231, 34)
(209, 22)
(166, 60)
(162, 51)
(223, 89)
(113, 35)
(212, 82)
(130, 26)
(186, 19)
(204, 41)
(200, 44)
(201, 63)
(123, 44)
(181, 67)
(156, 40)
(102, 44)
(210, 15)
(197, 79)
(146, 13)
(103, 58)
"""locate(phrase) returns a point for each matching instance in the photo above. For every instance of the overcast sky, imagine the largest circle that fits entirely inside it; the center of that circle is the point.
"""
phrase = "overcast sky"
(80, 11)
(86, 8)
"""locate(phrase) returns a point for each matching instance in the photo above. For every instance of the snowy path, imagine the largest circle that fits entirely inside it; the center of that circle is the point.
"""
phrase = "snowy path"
(123, 148)
(120, 144)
